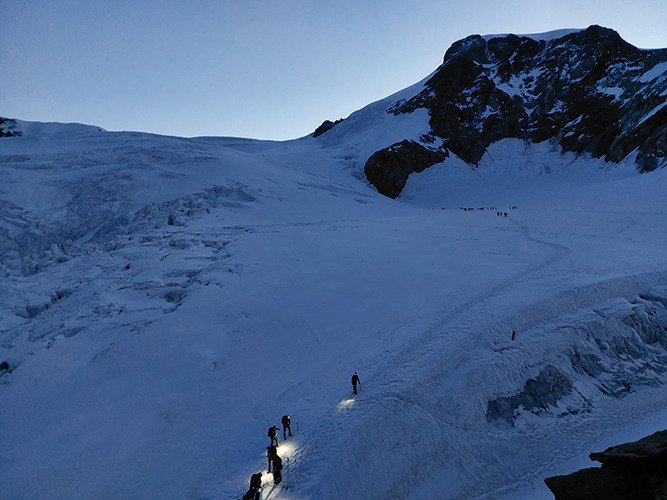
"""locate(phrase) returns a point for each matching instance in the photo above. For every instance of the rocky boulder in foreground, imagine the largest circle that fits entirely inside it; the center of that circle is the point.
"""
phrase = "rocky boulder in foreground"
(629, 471)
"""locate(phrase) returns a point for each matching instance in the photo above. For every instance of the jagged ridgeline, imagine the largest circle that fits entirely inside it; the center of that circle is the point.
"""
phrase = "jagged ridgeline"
(586, 91)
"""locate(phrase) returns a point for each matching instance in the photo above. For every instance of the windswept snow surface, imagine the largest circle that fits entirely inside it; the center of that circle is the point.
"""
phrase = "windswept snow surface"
(166, 300)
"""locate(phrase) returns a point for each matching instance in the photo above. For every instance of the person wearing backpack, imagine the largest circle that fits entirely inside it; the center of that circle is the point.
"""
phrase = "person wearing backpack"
(287, 426)
(355, 381)
(271, 454)
(255, 486)
(277, 469)
(273, 434)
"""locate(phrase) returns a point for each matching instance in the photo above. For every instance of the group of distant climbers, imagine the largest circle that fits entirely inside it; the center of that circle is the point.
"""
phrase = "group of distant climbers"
(498, 212)
(274, 460)
(504, 214)
(478, 209)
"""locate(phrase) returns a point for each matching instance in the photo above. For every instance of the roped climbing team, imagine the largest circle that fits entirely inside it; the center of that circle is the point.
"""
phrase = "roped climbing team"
(274, 460)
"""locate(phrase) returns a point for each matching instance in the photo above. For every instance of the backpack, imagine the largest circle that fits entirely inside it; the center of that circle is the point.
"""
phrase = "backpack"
(256, 480)
(277, 464)
(286, 420)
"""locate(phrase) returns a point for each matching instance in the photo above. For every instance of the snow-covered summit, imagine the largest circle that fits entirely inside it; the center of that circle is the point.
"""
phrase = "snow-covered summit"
(546, 36)
(32, 128)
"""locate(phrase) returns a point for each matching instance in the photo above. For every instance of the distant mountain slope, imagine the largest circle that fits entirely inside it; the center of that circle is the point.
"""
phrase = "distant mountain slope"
(586, 91)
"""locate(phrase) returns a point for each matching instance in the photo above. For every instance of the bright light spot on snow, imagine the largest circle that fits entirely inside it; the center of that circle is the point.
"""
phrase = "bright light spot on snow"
(345, 404)
(267, 477)
(285, 449)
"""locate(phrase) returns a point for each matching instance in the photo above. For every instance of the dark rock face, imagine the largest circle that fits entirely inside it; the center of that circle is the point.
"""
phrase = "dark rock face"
(389, 168)
(325, 127)
(634, 470)
(588, 92)
(9, 128)
(651, 446)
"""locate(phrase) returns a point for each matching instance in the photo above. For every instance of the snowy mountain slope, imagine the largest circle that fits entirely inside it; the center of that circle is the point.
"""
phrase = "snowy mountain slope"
(578, 90)
(166, 300)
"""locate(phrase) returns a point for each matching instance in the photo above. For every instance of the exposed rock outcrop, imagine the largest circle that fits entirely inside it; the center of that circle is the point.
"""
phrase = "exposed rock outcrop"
(634, 470)
(325, 127)
(587, 91)
(9, 128)
(389, 168)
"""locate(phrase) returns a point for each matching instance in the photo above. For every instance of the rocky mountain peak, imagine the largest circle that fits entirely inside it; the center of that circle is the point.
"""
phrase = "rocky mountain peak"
(587, 91)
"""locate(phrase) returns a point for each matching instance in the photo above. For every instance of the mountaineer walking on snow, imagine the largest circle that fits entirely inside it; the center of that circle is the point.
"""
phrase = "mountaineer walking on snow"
(355, 381)
(273, 434)
(271, 454)
(255, 486)
(287, 426)
(277, 469)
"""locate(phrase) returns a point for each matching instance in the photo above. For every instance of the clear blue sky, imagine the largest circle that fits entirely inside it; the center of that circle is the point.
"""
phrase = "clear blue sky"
(269, 69)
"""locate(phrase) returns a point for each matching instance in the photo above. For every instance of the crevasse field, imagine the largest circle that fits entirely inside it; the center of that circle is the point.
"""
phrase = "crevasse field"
(166, 300)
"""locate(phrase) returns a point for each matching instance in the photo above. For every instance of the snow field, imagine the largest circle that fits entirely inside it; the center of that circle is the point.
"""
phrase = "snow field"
(191, 292)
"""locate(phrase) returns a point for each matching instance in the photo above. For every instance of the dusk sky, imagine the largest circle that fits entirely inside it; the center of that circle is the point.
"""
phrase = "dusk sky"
(265, 69)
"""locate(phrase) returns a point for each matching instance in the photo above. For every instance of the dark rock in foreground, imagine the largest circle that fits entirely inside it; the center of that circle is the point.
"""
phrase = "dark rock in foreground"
(629, 471)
